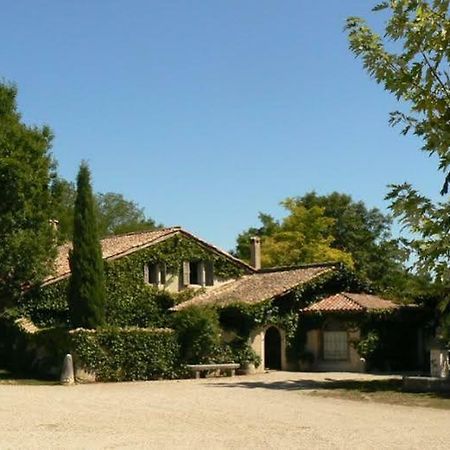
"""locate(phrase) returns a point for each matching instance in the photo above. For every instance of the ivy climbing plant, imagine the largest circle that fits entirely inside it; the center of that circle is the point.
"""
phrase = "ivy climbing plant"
(130, 300)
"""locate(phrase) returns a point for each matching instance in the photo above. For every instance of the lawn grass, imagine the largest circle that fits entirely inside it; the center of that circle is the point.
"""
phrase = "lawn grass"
(9, 378)
(382, 391)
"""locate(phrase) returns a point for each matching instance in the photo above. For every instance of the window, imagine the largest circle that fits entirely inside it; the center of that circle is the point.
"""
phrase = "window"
(198, 273)
(155, 274)
(335, 345)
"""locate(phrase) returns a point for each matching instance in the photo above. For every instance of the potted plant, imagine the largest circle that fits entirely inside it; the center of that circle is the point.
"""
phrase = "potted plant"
(248, 359)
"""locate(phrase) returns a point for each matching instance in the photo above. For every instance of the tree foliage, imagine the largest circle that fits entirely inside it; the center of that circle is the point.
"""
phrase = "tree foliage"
(86, 293)
(365, 233)
(417, 73)
(115, 213)
(26, 170)
(429, 225)
(303, 236)
(118, 215)
(361, 236)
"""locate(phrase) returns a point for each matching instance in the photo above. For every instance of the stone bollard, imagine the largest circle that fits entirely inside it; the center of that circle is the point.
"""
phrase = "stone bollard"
(439, 363)
(67, 376)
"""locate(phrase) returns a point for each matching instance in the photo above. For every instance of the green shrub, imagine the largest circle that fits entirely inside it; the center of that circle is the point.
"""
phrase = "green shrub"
(125, 354)
(244, 354)
(199, 335)
(366, 347)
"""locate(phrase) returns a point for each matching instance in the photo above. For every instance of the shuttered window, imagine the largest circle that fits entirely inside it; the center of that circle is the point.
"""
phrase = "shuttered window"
(198, 273)
(186, 273)
(155, 274)
(335, 345)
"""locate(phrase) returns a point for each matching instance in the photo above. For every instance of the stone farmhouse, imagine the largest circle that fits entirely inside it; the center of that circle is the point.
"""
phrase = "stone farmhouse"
(328, 319)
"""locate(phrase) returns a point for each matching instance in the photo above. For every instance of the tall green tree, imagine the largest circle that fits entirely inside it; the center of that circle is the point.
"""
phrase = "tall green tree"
(411, 60)
(416, 71)
(303, 236)
(115, 213)
(429, 227)
(351, 228)
(268, 226)
(119, 215)
(26, 170)
(365, 233)
(63, 194)
(86, 286)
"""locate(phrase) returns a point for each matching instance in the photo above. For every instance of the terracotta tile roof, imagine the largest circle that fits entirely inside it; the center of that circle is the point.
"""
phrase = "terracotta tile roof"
(346, 301)
(257, 287)
(114, 247)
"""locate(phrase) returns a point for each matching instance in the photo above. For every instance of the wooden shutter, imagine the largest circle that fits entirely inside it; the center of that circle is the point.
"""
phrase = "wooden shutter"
(201, 273)
(162, 273)
(186, 273)
(146, 276)
(209, 273)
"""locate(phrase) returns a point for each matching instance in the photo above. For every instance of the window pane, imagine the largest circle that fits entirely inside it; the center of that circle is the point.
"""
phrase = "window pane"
(335, 345)
(193, 273)
(153, 274)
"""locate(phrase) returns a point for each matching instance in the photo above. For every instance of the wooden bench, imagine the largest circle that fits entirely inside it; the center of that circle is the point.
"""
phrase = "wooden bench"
(198, 368)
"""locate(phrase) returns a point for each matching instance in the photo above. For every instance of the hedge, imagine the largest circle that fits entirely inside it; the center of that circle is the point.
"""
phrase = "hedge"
(127, 354)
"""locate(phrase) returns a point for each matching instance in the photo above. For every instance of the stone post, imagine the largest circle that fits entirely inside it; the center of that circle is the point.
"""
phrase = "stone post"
(67, 376)
(439, 363)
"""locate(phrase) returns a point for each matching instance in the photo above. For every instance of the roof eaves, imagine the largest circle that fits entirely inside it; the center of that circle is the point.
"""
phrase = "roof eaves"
(170, 232)
(219, 251)
(329, 264)
(293, 288)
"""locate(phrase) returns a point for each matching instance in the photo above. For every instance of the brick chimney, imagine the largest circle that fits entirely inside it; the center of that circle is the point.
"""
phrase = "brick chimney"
(255, 252)
(54, 224)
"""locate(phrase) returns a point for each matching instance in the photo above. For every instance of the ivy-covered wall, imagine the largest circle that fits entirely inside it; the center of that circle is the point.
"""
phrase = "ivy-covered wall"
(284, 311)
(389, 340)
(130, 300)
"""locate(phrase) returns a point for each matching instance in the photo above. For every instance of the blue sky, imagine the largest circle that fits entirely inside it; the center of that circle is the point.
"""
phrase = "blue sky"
(207, 112)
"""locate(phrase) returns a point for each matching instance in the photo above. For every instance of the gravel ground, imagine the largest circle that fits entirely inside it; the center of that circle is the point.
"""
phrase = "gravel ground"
(260, 411)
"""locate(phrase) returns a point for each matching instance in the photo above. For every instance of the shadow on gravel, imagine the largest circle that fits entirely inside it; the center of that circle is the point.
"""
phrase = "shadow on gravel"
(7, 377)
(330, 384)
(327, 383)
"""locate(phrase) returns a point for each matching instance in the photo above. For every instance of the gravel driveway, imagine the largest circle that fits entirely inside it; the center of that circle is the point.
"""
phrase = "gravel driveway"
(261, 411)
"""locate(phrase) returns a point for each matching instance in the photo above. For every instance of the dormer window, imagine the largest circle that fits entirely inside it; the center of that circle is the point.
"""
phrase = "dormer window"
(198, 273)
(155, 274)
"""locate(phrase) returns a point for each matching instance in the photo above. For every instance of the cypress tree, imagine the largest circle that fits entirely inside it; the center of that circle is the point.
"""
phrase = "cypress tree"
(86, 287)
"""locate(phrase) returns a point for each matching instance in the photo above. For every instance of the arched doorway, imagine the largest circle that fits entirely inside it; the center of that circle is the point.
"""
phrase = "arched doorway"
(272, 349)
